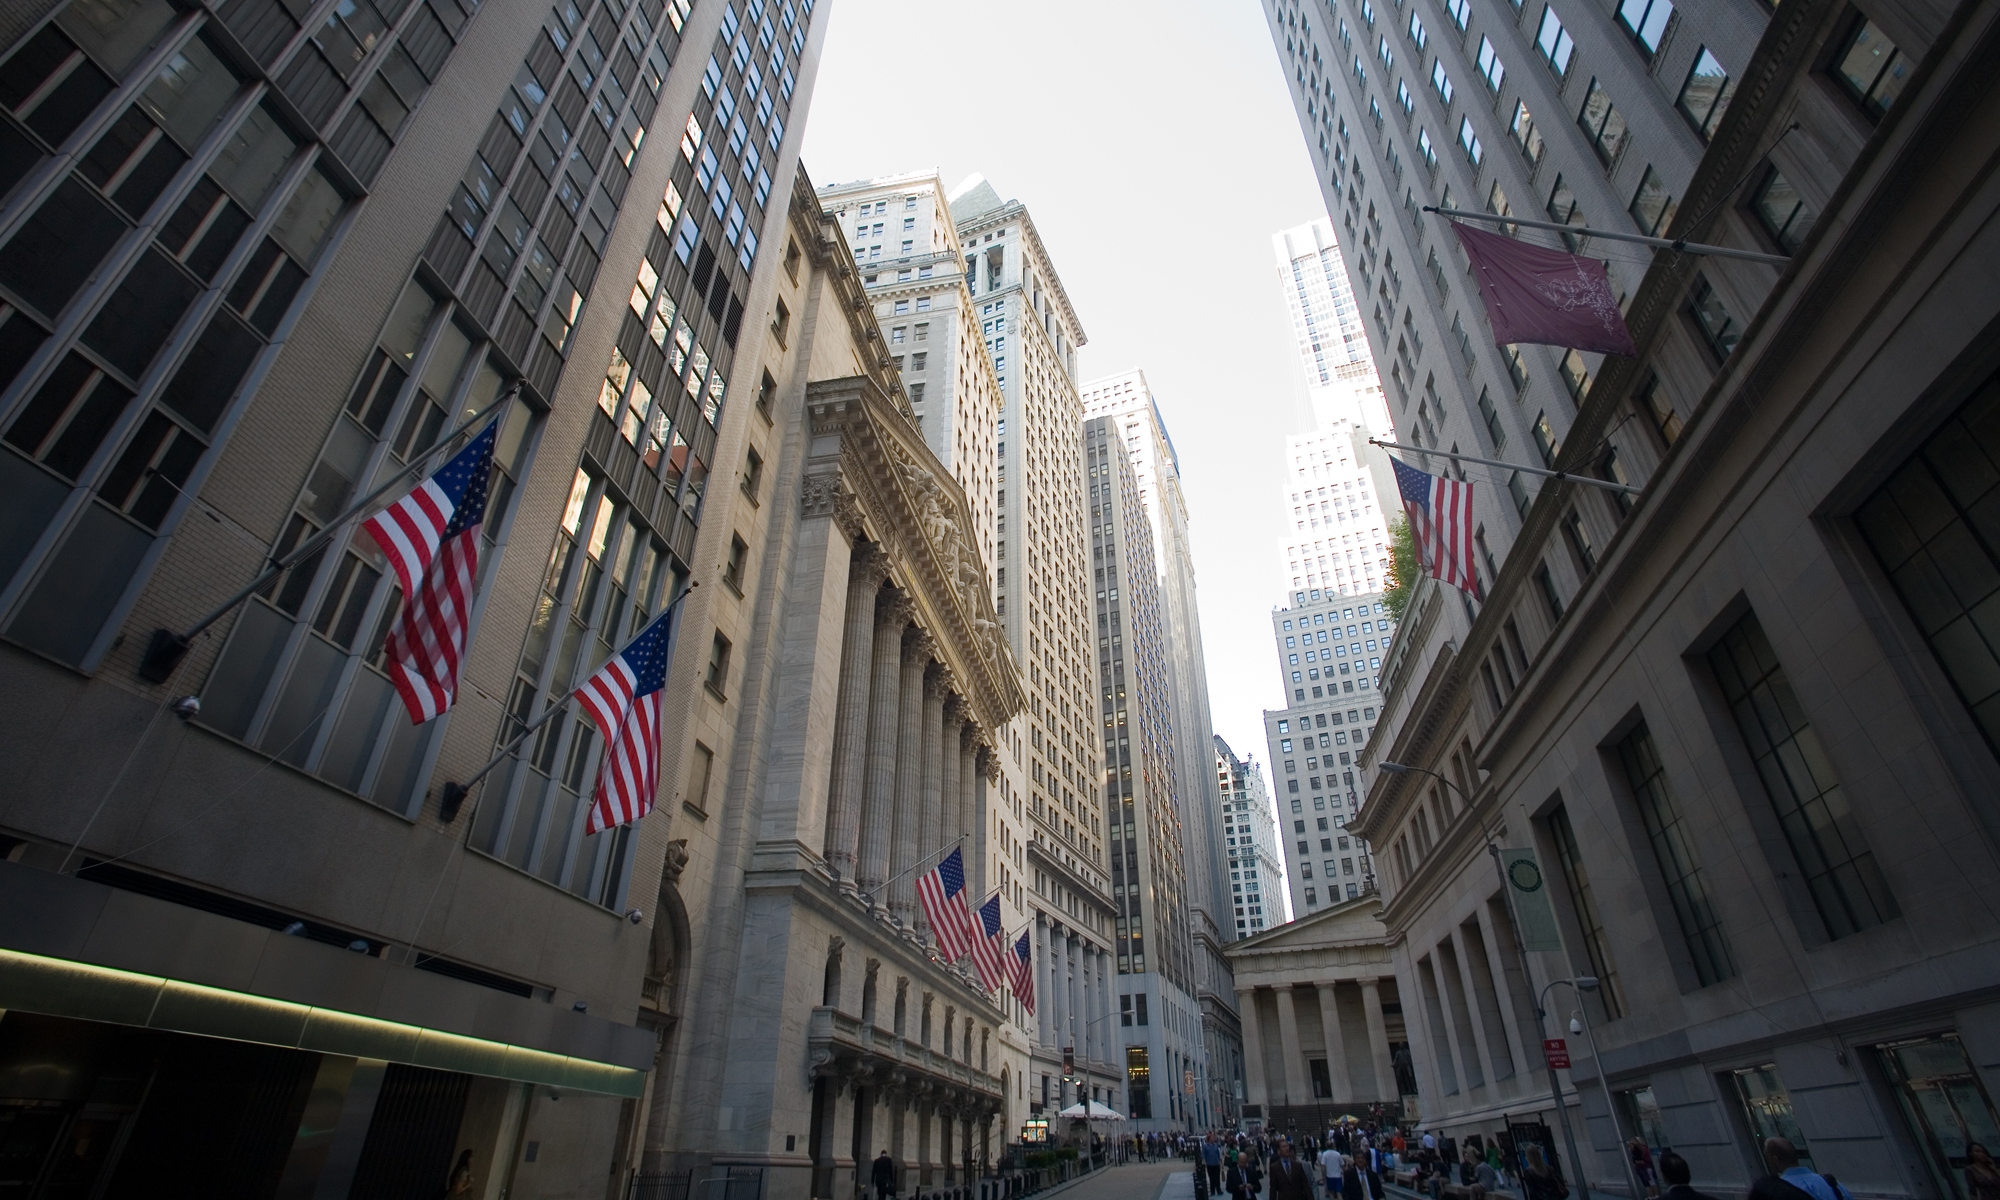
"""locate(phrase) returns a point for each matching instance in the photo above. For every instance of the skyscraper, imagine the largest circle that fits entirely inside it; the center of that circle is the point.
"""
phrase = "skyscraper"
(1158, 1013)
(1326, 321)
(1042, 596)
(1256, 866)
(1136, 423)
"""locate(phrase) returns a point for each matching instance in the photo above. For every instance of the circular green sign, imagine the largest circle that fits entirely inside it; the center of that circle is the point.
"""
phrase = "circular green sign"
(1525, 875)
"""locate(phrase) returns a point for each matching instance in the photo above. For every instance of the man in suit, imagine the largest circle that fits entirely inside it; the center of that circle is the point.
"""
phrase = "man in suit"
(1290, 1178)
(884, 1177)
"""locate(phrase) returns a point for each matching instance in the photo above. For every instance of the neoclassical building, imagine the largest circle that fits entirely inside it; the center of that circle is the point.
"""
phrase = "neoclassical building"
(1323, 1032)
(810, 1023)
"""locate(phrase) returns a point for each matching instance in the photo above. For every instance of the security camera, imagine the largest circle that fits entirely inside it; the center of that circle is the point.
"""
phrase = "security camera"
(580, 1006)
(187, 708)
(634, 915)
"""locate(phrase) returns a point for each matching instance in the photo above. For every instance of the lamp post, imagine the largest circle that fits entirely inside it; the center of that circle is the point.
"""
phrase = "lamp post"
(1580, 1023)
(1527, 976)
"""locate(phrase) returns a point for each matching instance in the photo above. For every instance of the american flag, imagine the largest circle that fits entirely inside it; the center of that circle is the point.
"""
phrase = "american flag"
(623, 698)
(1440, 512)
(989, 944)
(431, 537)
(941, 890)
(1021, 967)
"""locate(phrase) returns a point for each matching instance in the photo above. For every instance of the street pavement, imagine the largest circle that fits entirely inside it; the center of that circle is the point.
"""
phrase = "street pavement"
(1136, 1181)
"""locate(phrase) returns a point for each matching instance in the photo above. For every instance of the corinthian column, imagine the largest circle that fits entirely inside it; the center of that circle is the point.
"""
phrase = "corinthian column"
(909, 775)
(930, 818)
(951, 759)
(970, 819)
(850, 728)
(878, 798)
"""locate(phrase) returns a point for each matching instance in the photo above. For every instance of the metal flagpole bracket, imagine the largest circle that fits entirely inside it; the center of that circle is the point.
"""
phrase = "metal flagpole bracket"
(454, 792)
(166, 648)
(1564, 476)
(1677, 244)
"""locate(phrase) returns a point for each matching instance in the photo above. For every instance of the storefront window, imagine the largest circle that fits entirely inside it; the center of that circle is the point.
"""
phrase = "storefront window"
(1767, 1109)
(1946, 1107)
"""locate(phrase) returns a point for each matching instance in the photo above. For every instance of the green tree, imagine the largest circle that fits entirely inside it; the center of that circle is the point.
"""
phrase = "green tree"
(1404, 568)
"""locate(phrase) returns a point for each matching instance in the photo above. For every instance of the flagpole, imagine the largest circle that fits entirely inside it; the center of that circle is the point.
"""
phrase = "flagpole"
(1565, 476)
(454, 793)
(1585, 231)
(167, 648)
(870, 893)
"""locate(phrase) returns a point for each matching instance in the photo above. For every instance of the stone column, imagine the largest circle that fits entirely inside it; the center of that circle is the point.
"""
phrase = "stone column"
(1078, 1016)
(1336, 1044)
(973, 782)
(878, 803)
(1045, 1017)
(1059, 986)
(1378, 1040)
(1105, 970)
(1086, 972)
(1254, 1091)
(930, 844)
(953, 760)
(850, 729)
(1297, 1089)
(909, 776)
(1526, 1054)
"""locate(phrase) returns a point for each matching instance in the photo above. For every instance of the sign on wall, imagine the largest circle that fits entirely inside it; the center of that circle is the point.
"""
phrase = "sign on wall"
(1529, 888)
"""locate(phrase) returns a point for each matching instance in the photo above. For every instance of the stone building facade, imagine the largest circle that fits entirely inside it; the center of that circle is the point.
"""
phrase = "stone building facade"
(1740, 718)
(1323, 1033)
(874, 688)
(1250, 830)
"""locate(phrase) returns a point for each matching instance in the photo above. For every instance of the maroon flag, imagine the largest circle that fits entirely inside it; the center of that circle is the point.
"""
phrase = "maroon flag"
(1535, 294)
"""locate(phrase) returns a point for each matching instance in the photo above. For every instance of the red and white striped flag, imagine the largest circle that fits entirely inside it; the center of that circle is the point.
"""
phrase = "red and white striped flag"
(1021, 969)
(941, 890)
(1441, 523)
(623, 698)
(988, 944)
(431, 537)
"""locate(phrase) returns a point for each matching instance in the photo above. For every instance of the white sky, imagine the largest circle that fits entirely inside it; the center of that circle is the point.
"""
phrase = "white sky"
(1156, 147)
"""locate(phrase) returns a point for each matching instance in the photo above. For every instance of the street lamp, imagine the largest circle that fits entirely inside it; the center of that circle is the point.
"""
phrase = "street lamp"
(1579, 1022)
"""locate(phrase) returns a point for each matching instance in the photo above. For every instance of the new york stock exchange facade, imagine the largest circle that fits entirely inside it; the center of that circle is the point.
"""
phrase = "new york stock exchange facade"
(806, 1021)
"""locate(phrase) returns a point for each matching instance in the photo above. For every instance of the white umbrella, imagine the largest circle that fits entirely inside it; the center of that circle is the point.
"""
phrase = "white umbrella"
(1077, 1110)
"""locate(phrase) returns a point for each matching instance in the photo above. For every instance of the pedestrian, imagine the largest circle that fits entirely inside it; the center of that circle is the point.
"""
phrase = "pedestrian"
(1538, 1181)
(1211, 1160)
(1674, 1170)
(1253, 1175)
(1374, 1161)
(1290, 1178)
(1982, 1174)
(1329, 1165)
(460, 1183)
(884, 1176)
(1789, 1177)
(1233, 1174)
(1642, 1164)
(1353, 1181)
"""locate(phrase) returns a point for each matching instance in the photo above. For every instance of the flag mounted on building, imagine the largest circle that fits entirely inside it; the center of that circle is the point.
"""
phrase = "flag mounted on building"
(1021, 970)
(989, 944)
(623, 697)
(1543, 296)
(431, 538)
(941, 890)
(1441, 524)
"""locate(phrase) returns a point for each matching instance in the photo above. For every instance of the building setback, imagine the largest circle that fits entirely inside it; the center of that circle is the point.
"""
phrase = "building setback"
(1136, 422)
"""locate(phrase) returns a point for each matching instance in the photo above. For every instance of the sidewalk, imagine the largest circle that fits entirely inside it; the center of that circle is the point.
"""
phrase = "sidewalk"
(1170, 1180)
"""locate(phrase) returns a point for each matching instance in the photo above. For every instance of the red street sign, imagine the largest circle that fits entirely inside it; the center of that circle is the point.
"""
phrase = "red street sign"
(1558, 1053)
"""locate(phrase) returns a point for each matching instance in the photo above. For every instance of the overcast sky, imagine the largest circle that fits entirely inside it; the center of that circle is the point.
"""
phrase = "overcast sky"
(1156, 148)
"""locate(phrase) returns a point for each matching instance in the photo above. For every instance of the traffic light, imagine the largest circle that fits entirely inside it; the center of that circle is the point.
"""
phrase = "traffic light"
(1069, 1062)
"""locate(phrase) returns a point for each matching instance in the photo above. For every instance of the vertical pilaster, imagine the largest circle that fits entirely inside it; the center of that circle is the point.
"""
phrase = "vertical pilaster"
(1469, 1001)
(1336, 1043)
(930, 733)
(952, 761)
(1045, 1017)
(1378, 1040)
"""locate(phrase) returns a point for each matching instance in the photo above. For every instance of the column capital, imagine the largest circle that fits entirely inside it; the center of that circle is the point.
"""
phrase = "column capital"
(869, 567)
(895, 609)
(917, 645)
